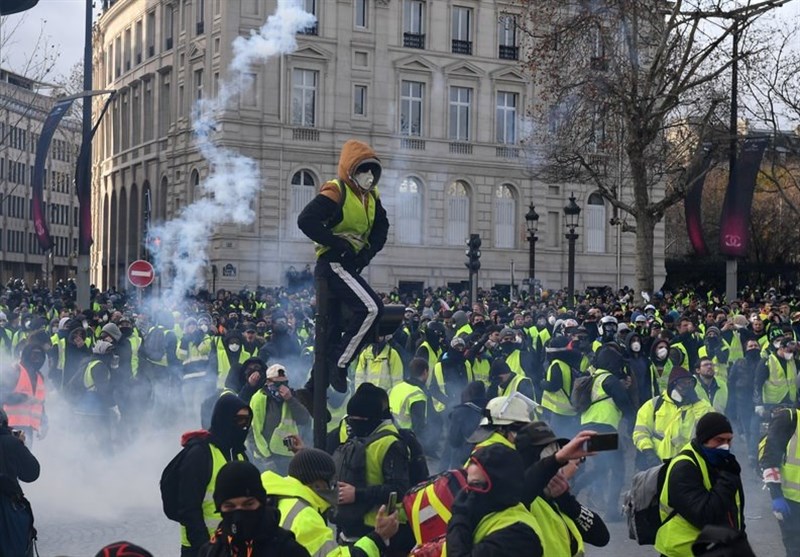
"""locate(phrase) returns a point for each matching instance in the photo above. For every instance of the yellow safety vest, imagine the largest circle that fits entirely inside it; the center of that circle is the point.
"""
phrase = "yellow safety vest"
(401, 397)
(513, 361)
(377, 368)
(556, 530)
(376, 452)
(433, 357)
(513, 385)
(480, 370)
(503, 519)
(603, 409)
(720, 402)
(357, 220)
(790, 470)
(780, 384)
(676, 534)
(558, 402)
(337, 415)
(88, 380)
(668, 429)
(286, 426)
(224, 364)
(438, 376)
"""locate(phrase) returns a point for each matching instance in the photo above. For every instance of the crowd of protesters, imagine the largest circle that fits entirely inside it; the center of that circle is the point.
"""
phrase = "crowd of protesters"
(497, 375)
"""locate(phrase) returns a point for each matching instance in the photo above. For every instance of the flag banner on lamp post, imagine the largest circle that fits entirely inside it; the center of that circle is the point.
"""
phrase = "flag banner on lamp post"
(692, 205)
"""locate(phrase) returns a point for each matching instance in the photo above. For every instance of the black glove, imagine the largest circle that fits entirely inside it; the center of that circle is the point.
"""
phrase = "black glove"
(362, 259)
(341, 251)
(467, 508)
(731, 465)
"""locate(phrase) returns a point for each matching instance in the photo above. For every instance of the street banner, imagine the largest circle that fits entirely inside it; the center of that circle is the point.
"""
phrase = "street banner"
(692, 206)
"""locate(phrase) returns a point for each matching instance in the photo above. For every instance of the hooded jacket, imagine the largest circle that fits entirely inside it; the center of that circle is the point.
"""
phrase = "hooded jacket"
(195, 468)
(324, 212)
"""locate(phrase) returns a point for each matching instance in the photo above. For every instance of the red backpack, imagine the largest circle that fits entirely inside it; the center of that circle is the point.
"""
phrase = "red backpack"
(428, 504)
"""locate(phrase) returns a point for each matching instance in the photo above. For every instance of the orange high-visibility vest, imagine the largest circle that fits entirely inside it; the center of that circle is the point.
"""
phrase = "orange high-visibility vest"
(28, 413)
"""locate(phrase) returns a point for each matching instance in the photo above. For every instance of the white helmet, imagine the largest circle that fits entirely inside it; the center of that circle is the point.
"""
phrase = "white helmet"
(505, 410)
(608, 319)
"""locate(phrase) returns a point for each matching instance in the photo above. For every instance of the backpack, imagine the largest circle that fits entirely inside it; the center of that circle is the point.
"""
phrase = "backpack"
(170, 484)
(154, 345)
(350, 460)
(581, 396)
(428, 504)
(433, 548)
(642, 501)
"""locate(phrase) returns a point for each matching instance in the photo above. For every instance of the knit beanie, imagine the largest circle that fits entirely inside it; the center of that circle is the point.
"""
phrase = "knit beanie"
(123, 549)
(238, 478)
(113, 331)
(711, 425)
(309, 465)
(499, 367)
(676, 375)
(365, 403)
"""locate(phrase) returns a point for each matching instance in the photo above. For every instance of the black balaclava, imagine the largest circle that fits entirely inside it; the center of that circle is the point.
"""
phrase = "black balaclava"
(366, 404)
(33, 357)
(239, 478)
(609, 359)
(226, 434)
(504, 468)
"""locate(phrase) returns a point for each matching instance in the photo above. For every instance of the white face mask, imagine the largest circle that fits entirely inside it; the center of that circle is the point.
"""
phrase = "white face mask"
(788, 356)
(204, 328)
(662, 353)
(364, 180)
(233, 347)
(724, 447)
(636, 346)
(776, 344)
(675, 395)
(552, 320)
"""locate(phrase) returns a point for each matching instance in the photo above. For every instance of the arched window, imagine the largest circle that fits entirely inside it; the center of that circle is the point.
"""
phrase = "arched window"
(409, 212)
(457, 218)
(505, 217)
(304, 188)
(595, 224)
(195, 185)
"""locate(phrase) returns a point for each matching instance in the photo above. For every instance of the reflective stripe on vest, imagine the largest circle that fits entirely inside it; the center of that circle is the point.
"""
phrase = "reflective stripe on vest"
(780, 383)
(558, 402)
(378, 367)
(286, 426)
(513, 385)
(357, 220)
(494, 522)
(555, 530)
(88, 380)
(603, 409)
(224, 363)
(433, 357)
(30, 412)
(376, 452)
(790, 470)
(401, 397)
(210, 515)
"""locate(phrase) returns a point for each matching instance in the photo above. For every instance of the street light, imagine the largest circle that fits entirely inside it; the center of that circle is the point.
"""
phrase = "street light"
(571, 215)
(532, 224)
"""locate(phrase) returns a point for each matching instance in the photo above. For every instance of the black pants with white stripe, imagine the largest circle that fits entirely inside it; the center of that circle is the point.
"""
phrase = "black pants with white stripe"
(347, 288)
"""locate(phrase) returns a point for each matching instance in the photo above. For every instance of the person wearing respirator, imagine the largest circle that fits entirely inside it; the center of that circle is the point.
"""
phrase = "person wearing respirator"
(776, 378)
(349, 226)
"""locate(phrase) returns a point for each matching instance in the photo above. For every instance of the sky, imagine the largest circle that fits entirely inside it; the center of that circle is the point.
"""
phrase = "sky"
(61, 21)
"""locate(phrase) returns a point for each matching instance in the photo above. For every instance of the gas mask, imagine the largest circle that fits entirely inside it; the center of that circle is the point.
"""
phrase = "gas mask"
(364, 180)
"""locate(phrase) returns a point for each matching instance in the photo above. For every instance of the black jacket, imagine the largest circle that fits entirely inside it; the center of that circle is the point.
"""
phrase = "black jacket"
(196, 468)
(280, 544)
(16, 464)
(464, 420)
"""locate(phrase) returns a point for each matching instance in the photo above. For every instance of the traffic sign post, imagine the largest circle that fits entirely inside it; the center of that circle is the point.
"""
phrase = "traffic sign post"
(141, 273)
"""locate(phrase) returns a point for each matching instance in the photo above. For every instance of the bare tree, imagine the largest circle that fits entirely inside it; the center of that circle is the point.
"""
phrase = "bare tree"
(618, 81)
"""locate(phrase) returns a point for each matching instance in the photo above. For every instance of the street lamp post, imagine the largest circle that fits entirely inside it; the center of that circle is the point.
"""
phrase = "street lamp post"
(571, 214)
(532, 224)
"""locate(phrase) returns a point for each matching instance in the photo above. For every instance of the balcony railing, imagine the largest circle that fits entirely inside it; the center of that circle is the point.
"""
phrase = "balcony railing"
(311, 30)
(412, 144)
(414, 40)
(509, 52)
(457, 148)
(305, 134)
(507, 152)
(462, 47)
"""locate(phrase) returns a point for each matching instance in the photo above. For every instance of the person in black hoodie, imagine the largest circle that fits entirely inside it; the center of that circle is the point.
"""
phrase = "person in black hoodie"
(492, 494)
(452, 373)
(639, 369)
(464, 420)
(741, 381)
(16, 464)
(250, 525)
(282, 344)
(206, 453)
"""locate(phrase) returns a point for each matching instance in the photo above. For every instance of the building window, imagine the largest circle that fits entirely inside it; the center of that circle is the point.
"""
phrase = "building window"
(361, 13)
(553, 239)
(150, 32)
(304, 98)
(597, 136)
(462, 30)
(411, 97)
(457, 214)
(138, 39)
(506, 117)
(414, 24)
(200, 15)
(409, 212)
(505, 221)
(198, 85)
(595, 224)
(304, 188)
(169, 26)
(507, 37)
(460, 109)
(310, 6)
(360, 100)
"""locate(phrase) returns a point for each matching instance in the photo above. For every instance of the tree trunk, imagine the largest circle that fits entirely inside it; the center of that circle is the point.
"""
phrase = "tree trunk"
(645, 237)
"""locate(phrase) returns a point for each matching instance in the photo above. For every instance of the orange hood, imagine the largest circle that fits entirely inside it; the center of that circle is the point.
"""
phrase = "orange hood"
(354, 152)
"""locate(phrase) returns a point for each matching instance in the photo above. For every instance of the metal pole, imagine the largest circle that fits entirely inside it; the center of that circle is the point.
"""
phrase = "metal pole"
(531, 258)
(731, 266)
(82, 279)
(473, 286)
(571, 269)
(319, 373)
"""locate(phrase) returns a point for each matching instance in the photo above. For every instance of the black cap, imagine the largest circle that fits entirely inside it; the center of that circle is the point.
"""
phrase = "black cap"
(711, 425)
(238, 478)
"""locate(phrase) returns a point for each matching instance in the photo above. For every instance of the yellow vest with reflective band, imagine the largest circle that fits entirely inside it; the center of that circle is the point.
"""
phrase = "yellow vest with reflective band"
(668, 429)
(790, 470)
(544, 335)
(720, 402)
(287, 426)
(377, 368)
(603, 409)
(337, 416)
(558, 402)
(376, 452)
(62, 352)
(720, 368)
(163, 360)
(464, 330)
(210, 515)
(513, 385)
(513, 361)
(88, 380)
(494, 522)
(780, 383)
(356, 223)
(433, 357)
(555, 530)
(480, 370)
(136, 342)
(224, 364)
(401, 397)
(735, 348)
(676, 534)
(438, 376)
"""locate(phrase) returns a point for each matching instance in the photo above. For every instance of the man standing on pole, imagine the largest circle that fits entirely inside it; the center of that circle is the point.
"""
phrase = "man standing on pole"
(348, 223)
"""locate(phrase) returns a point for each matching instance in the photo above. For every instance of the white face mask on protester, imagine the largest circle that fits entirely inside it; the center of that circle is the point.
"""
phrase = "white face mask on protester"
(364, 180)
(724, 447)
(675, 395)
(662, 353)
(636, 346)
(788, 356)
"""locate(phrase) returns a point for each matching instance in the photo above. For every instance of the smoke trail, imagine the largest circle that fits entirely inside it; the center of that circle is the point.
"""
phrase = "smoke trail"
(233, 180)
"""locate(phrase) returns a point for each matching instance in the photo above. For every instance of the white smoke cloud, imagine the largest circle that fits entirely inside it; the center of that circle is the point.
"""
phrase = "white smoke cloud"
(234, 180)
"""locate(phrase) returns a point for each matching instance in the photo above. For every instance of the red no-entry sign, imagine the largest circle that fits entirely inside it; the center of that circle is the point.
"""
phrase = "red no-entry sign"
(141, 273)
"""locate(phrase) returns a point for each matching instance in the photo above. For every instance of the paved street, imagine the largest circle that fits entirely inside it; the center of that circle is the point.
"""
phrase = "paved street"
(83, 502)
